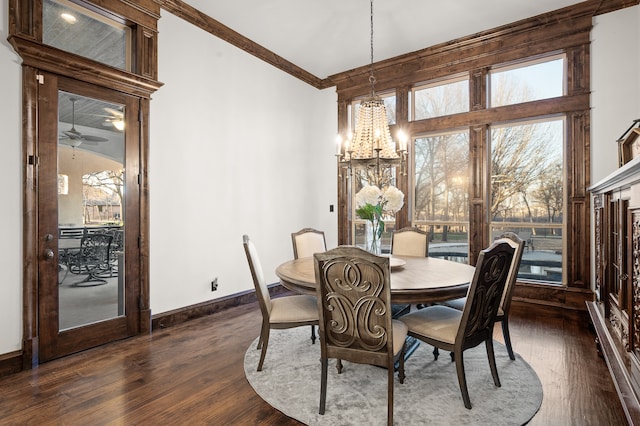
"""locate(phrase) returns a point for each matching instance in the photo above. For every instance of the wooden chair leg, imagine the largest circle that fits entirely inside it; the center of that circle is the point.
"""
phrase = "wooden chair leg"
(313, 334)
(390, 379)
(507, 338)
(339, 366)
(492, 362)
(262, 330)
(265, 342)
(401, 363)
(436, 352)
(462, 380)
(323, 386)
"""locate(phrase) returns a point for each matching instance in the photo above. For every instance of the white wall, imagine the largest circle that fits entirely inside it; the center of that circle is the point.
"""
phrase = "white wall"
(10, 192)
(615, 85)
(237, 147)
(615, 91)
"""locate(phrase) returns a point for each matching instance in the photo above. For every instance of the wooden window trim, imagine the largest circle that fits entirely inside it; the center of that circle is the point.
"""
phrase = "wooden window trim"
(566, 32)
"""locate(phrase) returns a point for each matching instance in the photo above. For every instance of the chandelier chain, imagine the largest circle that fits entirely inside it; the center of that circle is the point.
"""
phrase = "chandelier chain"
(372, 79)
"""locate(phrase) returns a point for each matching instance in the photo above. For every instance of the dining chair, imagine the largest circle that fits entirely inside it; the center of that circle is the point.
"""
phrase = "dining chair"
(307, 242)
(278, 313)
(502, 316)
(410, 241)
(453, 330)
(354, 301)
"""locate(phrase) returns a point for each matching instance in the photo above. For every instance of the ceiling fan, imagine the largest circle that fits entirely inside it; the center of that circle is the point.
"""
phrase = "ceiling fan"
(73, 137)
(115, 119)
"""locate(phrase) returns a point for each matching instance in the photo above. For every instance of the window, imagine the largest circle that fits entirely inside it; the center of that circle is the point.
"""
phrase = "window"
(488, 91)
(527, 193)
(441, 192)
(531, 81)
(440, 98)
(103, 40)
(389, 104)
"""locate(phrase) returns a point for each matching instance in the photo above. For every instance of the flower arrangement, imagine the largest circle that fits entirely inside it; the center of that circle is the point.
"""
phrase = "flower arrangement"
(372, 204)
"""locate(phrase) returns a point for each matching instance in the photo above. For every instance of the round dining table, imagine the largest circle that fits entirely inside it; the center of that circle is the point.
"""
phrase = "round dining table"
(413, 279)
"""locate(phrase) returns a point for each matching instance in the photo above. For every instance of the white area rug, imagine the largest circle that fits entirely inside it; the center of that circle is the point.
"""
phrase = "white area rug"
(430, 395)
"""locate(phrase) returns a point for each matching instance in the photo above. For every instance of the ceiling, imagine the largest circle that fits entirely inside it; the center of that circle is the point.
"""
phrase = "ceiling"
(328, 37)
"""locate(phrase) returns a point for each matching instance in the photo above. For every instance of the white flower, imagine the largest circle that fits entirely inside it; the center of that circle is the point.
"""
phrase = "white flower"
(368, 195)
(393, 199)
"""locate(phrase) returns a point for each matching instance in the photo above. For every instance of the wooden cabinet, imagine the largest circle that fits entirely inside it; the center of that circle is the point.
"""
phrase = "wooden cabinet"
(615, 313)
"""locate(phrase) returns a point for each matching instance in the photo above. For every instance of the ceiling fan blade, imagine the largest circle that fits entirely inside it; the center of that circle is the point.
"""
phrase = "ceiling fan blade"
(72, 134)
(90, 138)
(114, 112)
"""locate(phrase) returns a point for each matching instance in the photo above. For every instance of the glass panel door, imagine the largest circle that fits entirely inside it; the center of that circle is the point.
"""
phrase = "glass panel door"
(91, 219)
(88, 216)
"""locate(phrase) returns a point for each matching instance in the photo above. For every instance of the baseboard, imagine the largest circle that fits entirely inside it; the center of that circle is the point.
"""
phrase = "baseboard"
(553, 295)
(186, 313)
(10, 363)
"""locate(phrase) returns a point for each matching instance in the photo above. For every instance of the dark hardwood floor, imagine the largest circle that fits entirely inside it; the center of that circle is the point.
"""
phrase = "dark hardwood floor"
(193, 374)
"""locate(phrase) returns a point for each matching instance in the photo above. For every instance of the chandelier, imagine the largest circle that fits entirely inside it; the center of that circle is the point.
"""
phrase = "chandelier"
(370, 150)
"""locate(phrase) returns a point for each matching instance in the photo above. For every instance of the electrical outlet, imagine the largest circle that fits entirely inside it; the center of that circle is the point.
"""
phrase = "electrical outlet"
(214, 284)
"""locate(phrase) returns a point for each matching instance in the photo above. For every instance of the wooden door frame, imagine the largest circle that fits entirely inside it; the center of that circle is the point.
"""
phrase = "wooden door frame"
(53, 342)
(25, 36)
(31, 234)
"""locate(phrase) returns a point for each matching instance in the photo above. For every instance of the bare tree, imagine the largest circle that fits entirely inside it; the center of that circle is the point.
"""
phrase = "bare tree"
(550, 191)
(103, 188)
(519, 158)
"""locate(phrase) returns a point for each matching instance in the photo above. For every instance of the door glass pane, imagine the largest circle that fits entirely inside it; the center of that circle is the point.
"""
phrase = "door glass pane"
(72, 28)
(91, 222)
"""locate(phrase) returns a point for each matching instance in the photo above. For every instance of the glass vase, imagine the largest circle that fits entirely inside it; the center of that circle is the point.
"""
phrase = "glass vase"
(374, 245)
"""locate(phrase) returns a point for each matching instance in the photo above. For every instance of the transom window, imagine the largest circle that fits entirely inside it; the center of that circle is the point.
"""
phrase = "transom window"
(440, 98)
(530, 81)
(78, 30)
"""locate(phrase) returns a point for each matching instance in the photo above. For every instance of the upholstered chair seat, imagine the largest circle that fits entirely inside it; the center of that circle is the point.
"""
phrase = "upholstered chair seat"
(293, 309)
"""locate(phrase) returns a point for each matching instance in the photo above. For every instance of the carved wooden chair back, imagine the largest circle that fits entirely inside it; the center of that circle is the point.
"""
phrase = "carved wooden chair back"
(354, 303)
(485, 295)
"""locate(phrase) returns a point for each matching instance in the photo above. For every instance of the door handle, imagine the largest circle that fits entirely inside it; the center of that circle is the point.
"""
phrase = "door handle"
(49, 254)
